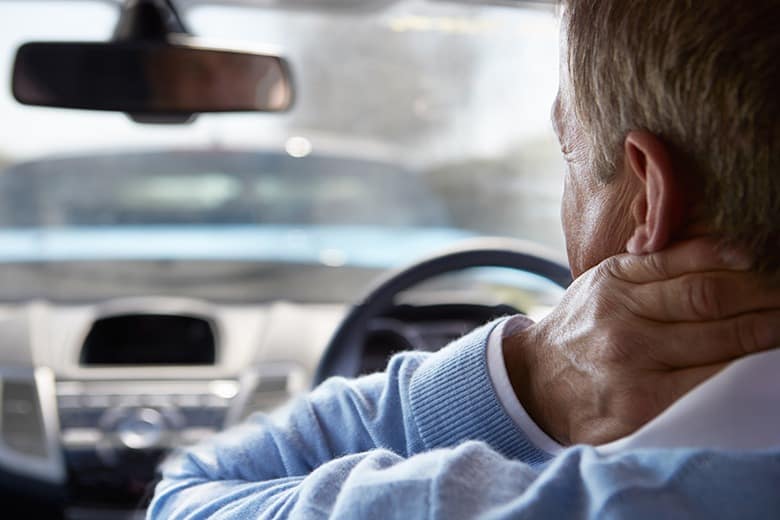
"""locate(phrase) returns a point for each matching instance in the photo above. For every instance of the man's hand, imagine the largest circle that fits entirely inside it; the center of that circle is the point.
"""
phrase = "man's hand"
(634, 334)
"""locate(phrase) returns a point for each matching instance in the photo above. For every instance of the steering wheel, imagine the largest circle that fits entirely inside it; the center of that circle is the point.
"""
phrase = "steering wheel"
(343, 354)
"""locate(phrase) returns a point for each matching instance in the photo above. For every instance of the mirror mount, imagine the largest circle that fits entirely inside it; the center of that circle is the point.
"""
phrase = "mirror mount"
(149, 20)
(156, 21)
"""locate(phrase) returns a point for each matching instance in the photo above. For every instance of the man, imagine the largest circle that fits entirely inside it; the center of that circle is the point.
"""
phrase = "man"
(649, 391)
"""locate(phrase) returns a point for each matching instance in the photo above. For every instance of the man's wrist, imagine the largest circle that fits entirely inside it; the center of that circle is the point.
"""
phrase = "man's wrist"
(521, 350)
(452, 399)
(499, 376)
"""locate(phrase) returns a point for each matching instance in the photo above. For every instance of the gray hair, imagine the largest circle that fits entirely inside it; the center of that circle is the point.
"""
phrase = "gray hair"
(705, 78)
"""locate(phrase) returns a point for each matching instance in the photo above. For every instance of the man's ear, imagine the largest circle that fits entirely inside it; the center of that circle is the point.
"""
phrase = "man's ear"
(658, 208)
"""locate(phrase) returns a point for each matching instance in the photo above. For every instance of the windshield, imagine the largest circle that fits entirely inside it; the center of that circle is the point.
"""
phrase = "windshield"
(416, 124)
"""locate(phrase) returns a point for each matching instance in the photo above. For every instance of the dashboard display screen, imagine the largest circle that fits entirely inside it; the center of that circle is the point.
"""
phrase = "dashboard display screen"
(149, 339)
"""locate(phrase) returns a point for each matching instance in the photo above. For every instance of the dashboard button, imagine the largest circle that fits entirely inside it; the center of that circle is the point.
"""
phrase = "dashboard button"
(215, 401)
(69, 401)
(174, 419)
(205, 417)
(21, 420)
(78, 437)
(96, 401)
(141, 429)
(80, 417)
(187, 400)
(158, 400)
(128, 401)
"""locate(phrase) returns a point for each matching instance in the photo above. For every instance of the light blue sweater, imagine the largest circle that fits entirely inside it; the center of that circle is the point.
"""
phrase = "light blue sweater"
(429, 439)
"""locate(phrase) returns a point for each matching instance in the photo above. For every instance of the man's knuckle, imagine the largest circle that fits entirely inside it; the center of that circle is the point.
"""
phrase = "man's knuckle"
(601, 307)
(702, 297)
(610, 268)
(622, 347)
(615, 354)
(656, 266)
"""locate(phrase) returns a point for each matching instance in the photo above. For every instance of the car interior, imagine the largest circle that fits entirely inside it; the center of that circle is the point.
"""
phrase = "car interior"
(211, 206)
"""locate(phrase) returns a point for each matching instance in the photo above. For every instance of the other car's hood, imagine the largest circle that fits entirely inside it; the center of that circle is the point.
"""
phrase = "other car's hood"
(363, 246)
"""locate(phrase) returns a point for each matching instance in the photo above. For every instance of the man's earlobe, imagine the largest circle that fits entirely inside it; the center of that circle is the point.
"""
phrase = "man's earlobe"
(658, 209)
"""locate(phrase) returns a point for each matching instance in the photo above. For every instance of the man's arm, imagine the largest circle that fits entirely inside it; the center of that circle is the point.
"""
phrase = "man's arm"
(314, 454)
(473, 481)
(423, 402)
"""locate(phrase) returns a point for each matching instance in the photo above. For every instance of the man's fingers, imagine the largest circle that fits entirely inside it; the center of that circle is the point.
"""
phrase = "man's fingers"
(702, 297)
(684, 345)
(699, 255)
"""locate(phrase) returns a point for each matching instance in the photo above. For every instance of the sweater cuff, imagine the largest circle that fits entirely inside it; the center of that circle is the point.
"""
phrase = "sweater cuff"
(453, 400)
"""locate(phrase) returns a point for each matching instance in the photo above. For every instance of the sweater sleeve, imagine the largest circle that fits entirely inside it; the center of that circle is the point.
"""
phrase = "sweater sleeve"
(422, 402)
(428, 439)
(472, 480)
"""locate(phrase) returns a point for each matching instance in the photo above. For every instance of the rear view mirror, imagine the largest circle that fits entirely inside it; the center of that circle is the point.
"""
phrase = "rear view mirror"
(150, 78)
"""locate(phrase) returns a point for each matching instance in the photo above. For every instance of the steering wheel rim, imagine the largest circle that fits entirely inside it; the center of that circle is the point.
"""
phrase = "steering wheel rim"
(342, 354)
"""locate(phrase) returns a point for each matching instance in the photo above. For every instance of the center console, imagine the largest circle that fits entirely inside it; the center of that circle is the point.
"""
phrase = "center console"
(92, 399)
(114, 431)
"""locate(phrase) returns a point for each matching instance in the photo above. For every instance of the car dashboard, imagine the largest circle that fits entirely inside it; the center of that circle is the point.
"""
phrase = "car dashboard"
(94, 396)
(88, 405)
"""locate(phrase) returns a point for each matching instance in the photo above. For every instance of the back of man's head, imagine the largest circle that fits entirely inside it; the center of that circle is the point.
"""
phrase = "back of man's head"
(702, 76)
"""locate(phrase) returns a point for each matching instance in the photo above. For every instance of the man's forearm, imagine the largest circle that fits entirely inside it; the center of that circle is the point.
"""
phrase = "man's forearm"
(422, 402)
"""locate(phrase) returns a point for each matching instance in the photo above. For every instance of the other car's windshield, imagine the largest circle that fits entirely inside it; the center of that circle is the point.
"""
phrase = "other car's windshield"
(416, 123)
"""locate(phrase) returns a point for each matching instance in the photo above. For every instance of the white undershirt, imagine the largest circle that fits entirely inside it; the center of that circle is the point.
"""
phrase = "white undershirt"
(506, 394)
(737, 409)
